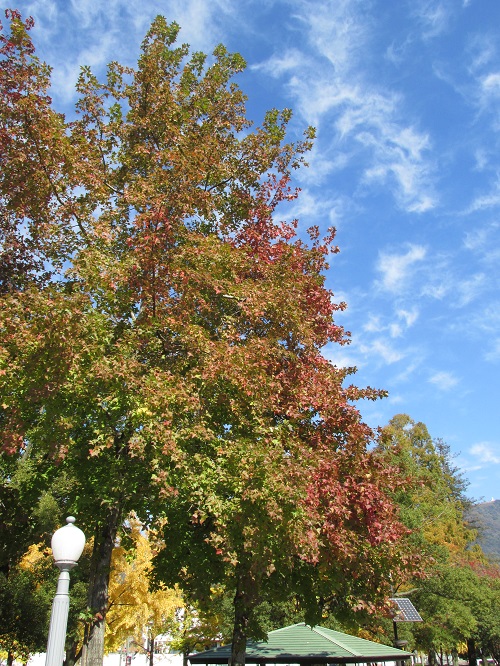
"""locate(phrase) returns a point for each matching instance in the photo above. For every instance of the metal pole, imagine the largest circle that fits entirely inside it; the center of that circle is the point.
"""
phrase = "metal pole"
(59, 619)
(395, 627)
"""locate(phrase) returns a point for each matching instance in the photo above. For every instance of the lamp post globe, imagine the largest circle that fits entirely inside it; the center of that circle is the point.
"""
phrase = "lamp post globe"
(67, 546)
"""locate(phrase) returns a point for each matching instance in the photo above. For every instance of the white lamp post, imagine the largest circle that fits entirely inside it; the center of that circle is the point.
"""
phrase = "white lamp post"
(67, 546)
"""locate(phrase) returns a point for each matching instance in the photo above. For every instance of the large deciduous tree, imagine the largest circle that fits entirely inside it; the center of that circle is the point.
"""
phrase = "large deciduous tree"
(459, 592)
(162, 334)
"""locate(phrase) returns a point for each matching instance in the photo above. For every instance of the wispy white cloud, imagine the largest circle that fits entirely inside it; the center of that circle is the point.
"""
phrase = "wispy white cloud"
(372, 346)
(64, 78)
(373, 324)
(487, 319)
(444, 381)
(396, 51)
(477, 80)
(45, 13)
(490, 86)
(482, 158)
(493, 354)
(395, 269)
(400, 159)
(336, 30)
(476, 239)
(315, 208)
(481, 50)
(323, 163)
(412, 366)
(467, 466)
(380, 349)
(339, 98)
(281, 63)
(437, 289)
(480, 83)
(484, 242)
(490, 199)
(434, 17)
(408, 316)
(341, 357)
(486, 452)
(443, 277)
(396, 328)
(470, 288)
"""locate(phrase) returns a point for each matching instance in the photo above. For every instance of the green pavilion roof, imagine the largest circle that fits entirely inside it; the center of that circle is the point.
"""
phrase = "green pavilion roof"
(301, 644)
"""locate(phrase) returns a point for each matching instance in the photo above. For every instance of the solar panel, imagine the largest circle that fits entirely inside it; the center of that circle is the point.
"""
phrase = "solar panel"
(406, 611)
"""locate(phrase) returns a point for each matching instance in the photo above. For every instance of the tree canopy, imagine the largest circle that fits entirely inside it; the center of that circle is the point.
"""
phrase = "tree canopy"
(163, 333)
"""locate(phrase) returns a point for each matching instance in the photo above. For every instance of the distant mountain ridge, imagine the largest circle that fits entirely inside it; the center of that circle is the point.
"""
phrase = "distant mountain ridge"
(485, 518)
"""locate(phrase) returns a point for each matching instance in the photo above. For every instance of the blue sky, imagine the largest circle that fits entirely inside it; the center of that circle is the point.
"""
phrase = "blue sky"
(405, 97)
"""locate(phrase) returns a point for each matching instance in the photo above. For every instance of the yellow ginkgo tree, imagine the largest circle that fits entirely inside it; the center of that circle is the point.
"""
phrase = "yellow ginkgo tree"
(135, 611)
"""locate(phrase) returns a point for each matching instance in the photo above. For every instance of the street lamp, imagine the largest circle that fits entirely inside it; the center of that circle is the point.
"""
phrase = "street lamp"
(67, 546)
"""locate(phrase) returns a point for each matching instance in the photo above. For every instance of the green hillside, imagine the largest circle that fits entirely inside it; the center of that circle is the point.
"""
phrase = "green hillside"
(486, 518)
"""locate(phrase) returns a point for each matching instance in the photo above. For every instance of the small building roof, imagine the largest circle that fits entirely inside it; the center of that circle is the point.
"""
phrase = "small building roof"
(301, 644)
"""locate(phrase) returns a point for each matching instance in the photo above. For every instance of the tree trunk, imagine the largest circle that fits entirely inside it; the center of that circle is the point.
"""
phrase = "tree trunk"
(239, 644)
(10, 658)
(243, 603)
(241, 616)
(151, 651)
(471, 652)
(98, 590)
(72, 655)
